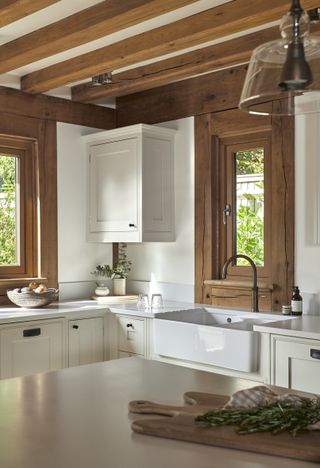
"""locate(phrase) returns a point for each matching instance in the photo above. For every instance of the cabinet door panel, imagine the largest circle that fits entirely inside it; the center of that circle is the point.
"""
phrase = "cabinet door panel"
(114, 183)
(131, 335)
(25, 355)
(85, 341)
(293, 366)
(157, 185)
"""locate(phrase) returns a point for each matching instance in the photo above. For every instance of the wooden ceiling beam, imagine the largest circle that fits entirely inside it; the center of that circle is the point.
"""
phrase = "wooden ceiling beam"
(13, 101)
(212, 92)
(87, 25)
(13, 10)
(197, 62)
(212, 58)
(218, 22)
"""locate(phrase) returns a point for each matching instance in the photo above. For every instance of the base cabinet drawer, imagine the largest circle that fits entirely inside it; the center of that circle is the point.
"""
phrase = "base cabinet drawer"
(86, 341)
(295, 363)
(131, 335)
(31, 347)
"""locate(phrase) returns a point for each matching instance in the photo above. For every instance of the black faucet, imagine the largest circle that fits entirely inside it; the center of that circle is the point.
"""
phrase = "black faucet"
(255, 305)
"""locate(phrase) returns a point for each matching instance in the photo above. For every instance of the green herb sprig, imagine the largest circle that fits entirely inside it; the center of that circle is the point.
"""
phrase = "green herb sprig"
(277, 417)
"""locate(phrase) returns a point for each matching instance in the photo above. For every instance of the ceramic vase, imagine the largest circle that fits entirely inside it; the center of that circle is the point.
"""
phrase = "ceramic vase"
(119, 286)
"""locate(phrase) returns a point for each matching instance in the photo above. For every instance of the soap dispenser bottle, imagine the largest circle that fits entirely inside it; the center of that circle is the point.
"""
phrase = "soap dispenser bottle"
(296, 301)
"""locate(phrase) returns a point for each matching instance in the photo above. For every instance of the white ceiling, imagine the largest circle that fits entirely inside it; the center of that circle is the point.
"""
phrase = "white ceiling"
(67, 7)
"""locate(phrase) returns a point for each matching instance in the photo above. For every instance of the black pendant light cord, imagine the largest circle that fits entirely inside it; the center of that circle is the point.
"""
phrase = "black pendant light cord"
(296, 12)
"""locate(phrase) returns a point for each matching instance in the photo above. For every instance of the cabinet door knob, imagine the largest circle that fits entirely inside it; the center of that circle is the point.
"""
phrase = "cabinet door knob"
(131, 225)
(129, 325)
(75, 327)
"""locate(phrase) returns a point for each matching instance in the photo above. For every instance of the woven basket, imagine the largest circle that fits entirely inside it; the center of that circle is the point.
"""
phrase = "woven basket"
(32, 300)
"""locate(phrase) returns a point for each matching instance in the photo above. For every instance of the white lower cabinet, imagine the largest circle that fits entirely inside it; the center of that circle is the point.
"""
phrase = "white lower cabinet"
(31, 347)
(132, 338)
(295, 363)
(86, 341)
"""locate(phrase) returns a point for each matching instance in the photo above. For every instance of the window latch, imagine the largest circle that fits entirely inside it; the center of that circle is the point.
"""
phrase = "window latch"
(226, 212)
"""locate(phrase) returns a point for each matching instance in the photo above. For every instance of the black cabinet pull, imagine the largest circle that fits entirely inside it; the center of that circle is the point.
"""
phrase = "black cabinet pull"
(32, 332)
(129, 325)
(75, 327)
(131, 225)
(315, 353)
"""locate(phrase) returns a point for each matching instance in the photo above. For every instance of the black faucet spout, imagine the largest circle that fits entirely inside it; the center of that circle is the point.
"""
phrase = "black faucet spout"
(255, 290)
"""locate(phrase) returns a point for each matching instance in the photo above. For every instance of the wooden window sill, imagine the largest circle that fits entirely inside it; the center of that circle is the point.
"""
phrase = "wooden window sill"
(239, 284)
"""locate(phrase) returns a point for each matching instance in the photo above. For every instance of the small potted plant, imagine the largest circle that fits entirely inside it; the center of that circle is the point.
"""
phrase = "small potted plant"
(102, 273)
(120, 272)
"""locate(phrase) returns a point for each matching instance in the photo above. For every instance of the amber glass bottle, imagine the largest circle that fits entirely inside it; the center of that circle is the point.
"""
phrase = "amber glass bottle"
(296, 301)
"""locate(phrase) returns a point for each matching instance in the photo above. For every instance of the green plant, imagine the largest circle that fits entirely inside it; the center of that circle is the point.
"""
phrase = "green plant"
(102, 270)
(123, 267)
(7, 211)
(286, 416)
(121, 270)
(250, 235)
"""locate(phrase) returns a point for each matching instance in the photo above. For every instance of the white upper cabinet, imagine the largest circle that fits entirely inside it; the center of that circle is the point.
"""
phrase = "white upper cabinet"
(131, 184)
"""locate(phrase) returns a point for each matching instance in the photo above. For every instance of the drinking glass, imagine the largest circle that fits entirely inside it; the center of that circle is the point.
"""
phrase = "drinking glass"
(143, 301)
(156, 301)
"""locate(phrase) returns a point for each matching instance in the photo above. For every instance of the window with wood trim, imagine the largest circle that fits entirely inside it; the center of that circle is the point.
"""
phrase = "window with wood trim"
(245, 165)
(244, 204)
(18, 208)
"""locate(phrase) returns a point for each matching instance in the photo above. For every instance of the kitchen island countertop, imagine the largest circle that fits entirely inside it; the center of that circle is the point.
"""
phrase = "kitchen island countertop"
(79, 418)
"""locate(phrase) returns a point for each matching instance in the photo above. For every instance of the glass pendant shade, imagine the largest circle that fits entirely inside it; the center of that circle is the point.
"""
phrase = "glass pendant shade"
(283, 76)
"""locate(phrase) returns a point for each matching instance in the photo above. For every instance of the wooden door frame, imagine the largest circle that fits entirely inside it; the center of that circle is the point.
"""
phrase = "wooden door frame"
(207, 201)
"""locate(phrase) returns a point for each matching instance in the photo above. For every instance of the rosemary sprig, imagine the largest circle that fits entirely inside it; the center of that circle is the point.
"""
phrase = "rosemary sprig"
(277, 417)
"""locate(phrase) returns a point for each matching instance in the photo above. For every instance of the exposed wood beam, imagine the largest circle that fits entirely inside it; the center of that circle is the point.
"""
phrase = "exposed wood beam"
(207, 93)
(17, 102)
(225, 54)
(212, 58)
(87, 25)
(13, 10)
(215, 23)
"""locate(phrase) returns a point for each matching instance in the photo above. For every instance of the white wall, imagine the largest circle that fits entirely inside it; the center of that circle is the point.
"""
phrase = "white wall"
(170, 266)
(307, 209)
(76, 257)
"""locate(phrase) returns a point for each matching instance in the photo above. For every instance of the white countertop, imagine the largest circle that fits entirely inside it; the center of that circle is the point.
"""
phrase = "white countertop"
(306, 326)
(79, 418)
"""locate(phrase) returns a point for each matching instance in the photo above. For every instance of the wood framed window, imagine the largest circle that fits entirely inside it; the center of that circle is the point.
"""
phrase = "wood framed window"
(33, 145)
(18, 208)
(246, 209)
(225, 205)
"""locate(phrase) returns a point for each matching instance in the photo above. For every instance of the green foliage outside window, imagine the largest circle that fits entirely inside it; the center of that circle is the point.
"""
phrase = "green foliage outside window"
(7, 211)
(250, 219)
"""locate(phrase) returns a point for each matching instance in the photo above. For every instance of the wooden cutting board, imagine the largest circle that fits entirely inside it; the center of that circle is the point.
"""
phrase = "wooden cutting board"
(179, 424)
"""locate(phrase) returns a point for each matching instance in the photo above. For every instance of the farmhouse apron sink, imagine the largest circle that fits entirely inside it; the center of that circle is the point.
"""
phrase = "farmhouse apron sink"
(218, 337)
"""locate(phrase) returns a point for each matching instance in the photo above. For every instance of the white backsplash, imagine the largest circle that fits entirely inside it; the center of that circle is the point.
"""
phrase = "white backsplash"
(169, 291)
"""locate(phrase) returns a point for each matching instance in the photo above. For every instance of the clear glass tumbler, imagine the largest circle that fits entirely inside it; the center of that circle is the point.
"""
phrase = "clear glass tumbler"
(143, 301)
(156, 301)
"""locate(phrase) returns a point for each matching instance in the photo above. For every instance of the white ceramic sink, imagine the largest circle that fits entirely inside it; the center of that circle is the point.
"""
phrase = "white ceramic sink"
(217, 337)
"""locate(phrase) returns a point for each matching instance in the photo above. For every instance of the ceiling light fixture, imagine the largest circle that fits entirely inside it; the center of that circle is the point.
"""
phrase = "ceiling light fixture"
(100, 80)
(286, 70)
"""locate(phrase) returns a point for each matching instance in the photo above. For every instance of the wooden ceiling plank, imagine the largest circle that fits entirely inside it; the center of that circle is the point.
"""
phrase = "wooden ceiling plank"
(14, 101)
(225, 54)
(218, 22)
(13, 10)
(87, 25)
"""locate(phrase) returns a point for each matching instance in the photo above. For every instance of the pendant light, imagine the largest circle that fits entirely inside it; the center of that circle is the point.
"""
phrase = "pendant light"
(284, 75)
